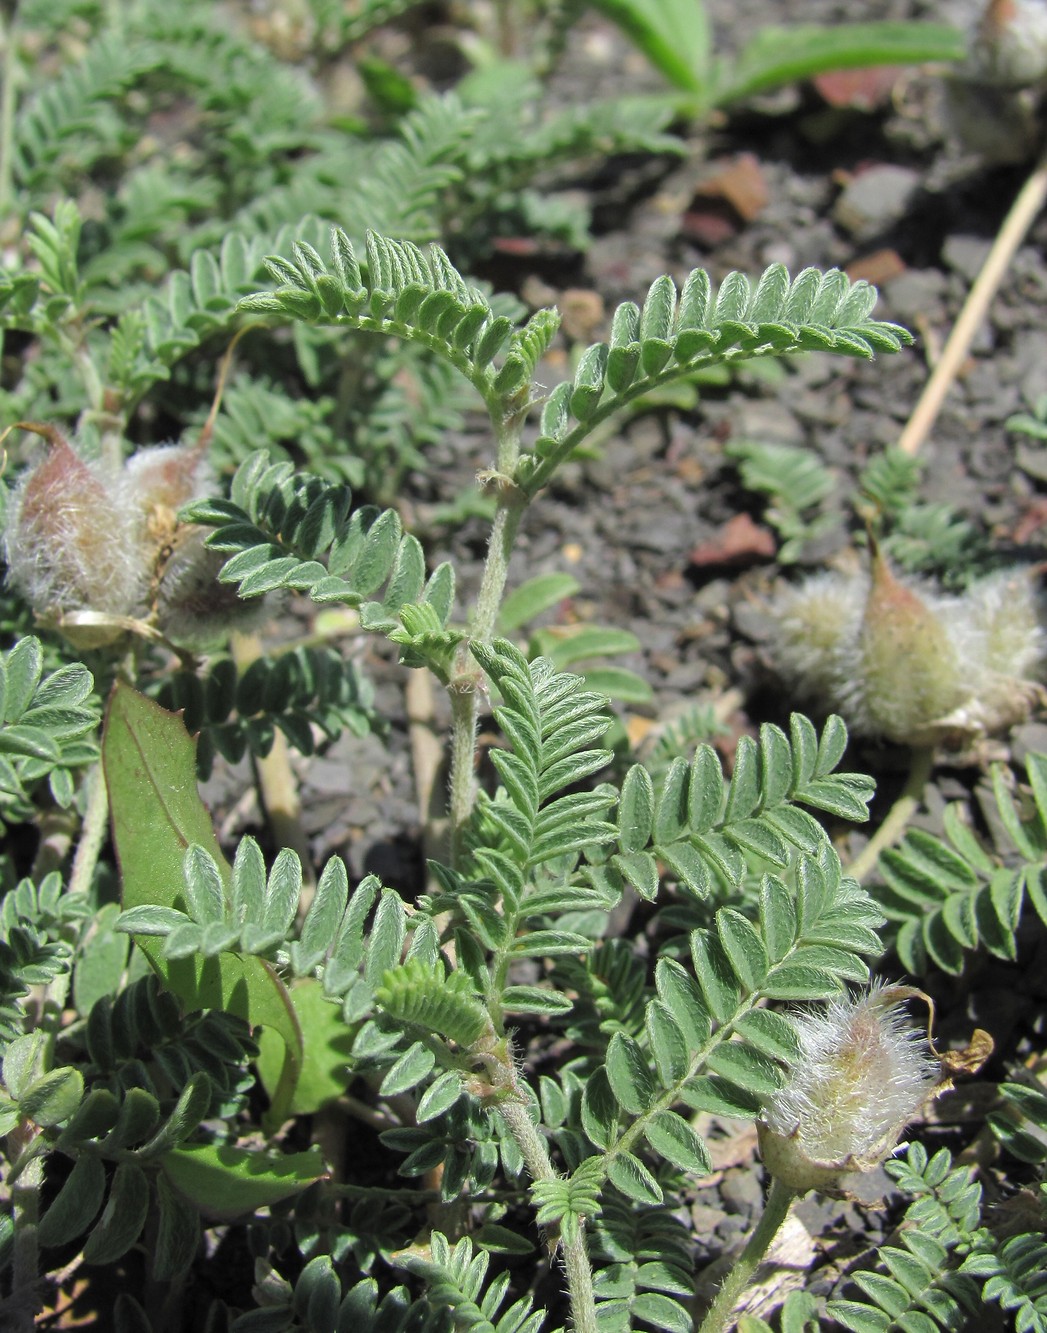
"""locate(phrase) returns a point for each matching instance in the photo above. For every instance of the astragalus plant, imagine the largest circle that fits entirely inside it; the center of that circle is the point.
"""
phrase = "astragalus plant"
(431, 1015)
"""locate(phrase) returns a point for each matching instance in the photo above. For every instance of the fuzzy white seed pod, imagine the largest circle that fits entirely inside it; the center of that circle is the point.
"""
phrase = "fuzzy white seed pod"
(71, 541)
(193, 609)
(862, 1074)
(898, 659)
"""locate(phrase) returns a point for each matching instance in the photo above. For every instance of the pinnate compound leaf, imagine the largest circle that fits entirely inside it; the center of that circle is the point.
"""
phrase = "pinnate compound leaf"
(54, 1097)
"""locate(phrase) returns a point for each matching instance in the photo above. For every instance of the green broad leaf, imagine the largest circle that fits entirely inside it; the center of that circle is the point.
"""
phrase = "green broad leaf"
(414, 1065)
(123, 1216)
(791, 981)
(501, 1240)
(684, 1001)
(769, 1032)
(672, 34)
(150, 768)
(673, 1138)
(778, 922)
(151, 920)
(541, 942)
(658, 1275)
(628, 1174)
(639, 869)
(719, 1097)
(533, 597)
(715, 976)
(779, 55)
(705, 799)
(137, 1120)
(93, 1118)
(636, 810)
(687, 866)
(775, 763)
(203, 887)
(52, 1099)
(670, 816)
(223, 1182)
(387, 937)
(564, 645)
(439, 1096)
(599, 1110)
(743, 946)
(535, 1000)
(327, 1050)
(859, 1318)
(100, 968)
(248, 885)
(178, 1232)
(667, 1043)
(76, 1204)
(743, 793)
(746, 1068)
(630, 1077)
(650, 1307)
(191, 1107)
(846, 795)
(618, 683)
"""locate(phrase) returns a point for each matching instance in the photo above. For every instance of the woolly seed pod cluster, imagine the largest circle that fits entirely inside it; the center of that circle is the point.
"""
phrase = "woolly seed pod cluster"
(899, 660)
(92, 546)
(862, 1074)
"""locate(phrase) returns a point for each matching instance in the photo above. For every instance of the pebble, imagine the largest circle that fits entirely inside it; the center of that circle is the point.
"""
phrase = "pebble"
(741, 1190)
(875, 200)
(965, 255)
(917, 293)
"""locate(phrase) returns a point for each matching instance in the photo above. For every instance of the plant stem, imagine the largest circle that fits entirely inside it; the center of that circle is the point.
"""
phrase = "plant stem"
(575, 1252)
(92, 832)
(24, 1301)
(897, 817)
(465, 684)
(1016, 224)
(721, 1314)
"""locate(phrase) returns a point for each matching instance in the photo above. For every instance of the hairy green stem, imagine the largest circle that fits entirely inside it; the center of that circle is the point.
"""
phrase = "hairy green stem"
(897, 817)
(24, 1302)
(575, 1252)
(92, 832)
(465, 684)
(464, 708)
(721, 1314)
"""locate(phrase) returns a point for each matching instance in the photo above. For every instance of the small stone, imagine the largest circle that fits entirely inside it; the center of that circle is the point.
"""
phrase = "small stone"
(741, 1190)
(914, 293)
(965, 255)
(1030, 738)
(875, 200)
